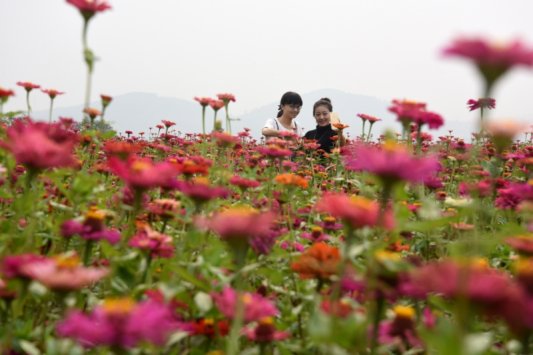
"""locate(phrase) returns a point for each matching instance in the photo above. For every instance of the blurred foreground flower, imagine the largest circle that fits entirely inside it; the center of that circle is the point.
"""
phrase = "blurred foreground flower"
(39, 145)
(120, 323)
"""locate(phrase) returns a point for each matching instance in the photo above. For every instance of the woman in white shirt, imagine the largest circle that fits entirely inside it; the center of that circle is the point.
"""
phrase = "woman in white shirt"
(289, 107)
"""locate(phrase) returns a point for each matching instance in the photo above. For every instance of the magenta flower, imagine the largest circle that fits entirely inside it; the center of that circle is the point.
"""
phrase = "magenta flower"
(92, 228)
(391, 163)
(512, 195)
(256, 306)
(481, 103)
(39, 145)
(143, 173)
(243, 183)
(120, 323)
(89, 7)
(156, 244)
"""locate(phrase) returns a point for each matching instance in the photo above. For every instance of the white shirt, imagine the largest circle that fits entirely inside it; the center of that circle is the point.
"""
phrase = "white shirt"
(275, 124)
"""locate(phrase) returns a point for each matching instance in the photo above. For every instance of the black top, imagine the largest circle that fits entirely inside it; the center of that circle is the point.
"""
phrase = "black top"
(323, 137)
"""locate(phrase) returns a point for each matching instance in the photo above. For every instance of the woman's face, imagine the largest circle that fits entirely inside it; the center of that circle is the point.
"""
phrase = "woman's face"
(322, 116)
(291, 109)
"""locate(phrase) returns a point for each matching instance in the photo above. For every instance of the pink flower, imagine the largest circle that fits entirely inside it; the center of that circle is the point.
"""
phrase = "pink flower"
(391, 163)
(168, 124)
(200, 191)
(491, 58)
(90, 7)
(204, 101)
(216, 104)
(256, 306)
(512, 195)
(488, 103)
(243, 226)
(157, 244)
(120, 323)
(143, 173)
(355, 211)
(14, 265)
(63, 273)
(243, 183)
(39, 145)
(28, 86)
(52, 92)
(368, 118)
(226, 98)
(412, 111)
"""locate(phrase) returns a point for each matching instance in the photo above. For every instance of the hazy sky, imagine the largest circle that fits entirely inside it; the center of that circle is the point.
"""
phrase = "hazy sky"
(260, 49)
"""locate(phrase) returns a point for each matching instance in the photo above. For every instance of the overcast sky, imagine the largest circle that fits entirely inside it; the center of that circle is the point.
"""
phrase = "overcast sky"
(260, 49)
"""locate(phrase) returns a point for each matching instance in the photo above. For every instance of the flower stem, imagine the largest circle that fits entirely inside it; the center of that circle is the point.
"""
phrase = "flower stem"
(28, 101)
(51, 108)
(203, 119)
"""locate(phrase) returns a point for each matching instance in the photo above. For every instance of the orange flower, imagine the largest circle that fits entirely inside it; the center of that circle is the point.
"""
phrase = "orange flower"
(319, 261)
(292, 179)
(339, 126)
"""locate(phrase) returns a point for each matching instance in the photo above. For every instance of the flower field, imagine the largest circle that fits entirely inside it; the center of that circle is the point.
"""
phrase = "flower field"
(216, 243)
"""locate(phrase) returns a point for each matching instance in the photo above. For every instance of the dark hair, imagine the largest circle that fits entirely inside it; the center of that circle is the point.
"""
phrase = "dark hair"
(289, 98)
(323, 102)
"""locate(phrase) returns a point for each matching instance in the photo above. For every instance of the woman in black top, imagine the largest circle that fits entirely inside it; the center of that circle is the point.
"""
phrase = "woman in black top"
(324, 132)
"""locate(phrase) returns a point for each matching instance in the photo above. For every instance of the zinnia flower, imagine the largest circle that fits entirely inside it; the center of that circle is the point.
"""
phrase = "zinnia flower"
(90, 7)
(265, 332)
(39, 145)
(52, 93)
(240, 226)
(320, 261)
(92, 227)
(63, 273)
(391, 163)
(143, 173)
(120, 323)
(354, 211)
(256, 306)
(482, 103)
(156, 244)
(492, 59)
(28, 86)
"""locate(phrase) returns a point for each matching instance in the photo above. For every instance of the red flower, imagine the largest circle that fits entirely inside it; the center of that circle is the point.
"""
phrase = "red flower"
(157, 244)
(40, 145)
(27, 85)
(106, 99)
(52, 92)
(481, 103)
(5, 94)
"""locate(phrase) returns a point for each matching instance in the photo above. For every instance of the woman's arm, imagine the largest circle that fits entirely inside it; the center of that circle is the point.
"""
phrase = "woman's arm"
(269, 132)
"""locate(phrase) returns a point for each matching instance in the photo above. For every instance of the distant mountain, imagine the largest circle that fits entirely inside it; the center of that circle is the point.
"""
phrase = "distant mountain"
(138, 111)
